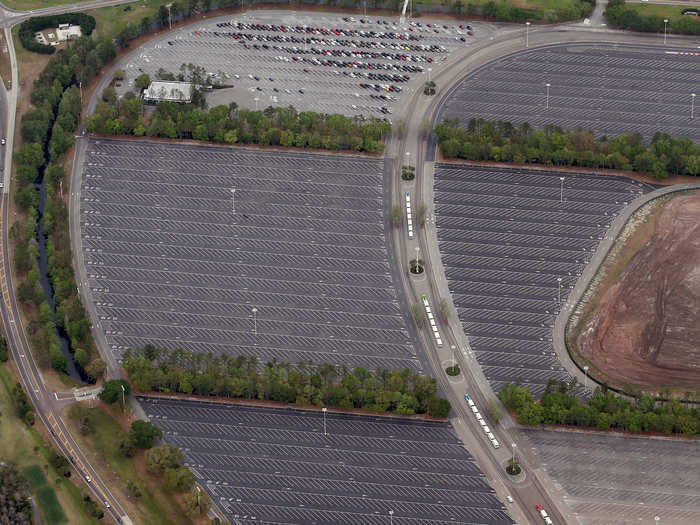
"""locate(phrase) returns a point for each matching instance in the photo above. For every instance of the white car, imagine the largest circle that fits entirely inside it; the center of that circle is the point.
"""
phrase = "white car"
(2, 141)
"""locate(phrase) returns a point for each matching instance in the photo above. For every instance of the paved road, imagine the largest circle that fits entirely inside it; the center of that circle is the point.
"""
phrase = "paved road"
(540, 487)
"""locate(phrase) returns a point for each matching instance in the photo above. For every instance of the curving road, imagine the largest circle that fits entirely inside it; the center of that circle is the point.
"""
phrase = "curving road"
(47, 404)
(537, 487)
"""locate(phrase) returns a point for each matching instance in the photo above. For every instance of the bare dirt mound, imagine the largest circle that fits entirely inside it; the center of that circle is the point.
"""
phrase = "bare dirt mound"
(646, 328)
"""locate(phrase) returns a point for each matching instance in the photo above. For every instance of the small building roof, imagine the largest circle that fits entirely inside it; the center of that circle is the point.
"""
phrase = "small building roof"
(160, 91)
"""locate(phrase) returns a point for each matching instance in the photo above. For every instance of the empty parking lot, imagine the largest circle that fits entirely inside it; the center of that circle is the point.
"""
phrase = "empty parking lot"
(630, 478)
(277, 466)
(513, 242)
(609, 89)
(241, 252)
(313, 61)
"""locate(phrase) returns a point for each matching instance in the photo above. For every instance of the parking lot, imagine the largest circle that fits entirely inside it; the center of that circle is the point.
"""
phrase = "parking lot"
(609, 89)
(506, 237)
(277, 466)
(630, 478)
(329, 63)
(293, 264)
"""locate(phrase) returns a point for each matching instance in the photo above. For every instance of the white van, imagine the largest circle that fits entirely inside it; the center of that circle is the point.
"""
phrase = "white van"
(495, 443)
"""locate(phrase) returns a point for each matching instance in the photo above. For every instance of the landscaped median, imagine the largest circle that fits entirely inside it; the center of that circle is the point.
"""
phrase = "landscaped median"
(603, 411)
(403, 392)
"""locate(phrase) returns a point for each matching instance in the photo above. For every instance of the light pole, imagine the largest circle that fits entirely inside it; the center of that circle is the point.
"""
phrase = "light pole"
(429, 70)
(391, 517)
(585, 370)
(123, 401)
(454, 358)
(408, 158)
(657, 519)
(198, 491)
(255, 322)
(558, 291)
(233, 200)
(548, 86)
(170, 18)
(665, 23)
(527, 34)
(514, 445)
(561, 190)
(417, 263)
(692, 106)
(256, 103)
(324, 410)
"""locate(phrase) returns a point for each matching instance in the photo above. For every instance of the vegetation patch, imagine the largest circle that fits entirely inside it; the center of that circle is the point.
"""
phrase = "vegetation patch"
(499, 141)
(402, 392)
(29, 27)
(603, 411)
(453, 370)
(649, 18)
(15, 507)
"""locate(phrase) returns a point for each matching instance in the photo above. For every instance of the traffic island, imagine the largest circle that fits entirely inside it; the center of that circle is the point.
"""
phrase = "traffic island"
(453, 370)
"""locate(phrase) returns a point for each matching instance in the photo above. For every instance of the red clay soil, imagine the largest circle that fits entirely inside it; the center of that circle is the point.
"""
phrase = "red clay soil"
(646, 329)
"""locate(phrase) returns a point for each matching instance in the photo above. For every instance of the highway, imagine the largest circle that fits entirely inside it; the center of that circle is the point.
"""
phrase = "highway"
(46, 404)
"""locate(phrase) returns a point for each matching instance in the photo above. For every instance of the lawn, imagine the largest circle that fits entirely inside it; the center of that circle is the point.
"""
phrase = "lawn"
(669, 12)
(111, 20)
(28, 5)
(156, 506)
(59, 500)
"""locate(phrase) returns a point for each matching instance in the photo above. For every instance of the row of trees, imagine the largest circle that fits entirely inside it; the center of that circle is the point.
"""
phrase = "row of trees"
(495, 140)
(47, 131)
(274, 126)
(402, 392)
(604, 410)
(620, 15)
(29, 27)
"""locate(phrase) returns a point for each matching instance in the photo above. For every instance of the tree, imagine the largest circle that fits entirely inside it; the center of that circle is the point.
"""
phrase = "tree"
(119, 74)
(58, 360)
(127, 447)
(515, 396)
(95, 369)
(15, 507)
(418, 315)
(197, 502)
(143, 432)
(81, 357)
(178, 479)
(163, 456)
(142, 81)
(114, 390)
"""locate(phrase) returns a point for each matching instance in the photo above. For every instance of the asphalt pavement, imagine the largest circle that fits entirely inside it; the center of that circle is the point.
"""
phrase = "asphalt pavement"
(607, 88)
(299, 466)
(243, 252)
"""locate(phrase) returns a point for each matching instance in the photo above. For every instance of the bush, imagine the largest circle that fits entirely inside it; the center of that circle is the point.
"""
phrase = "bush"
(452, 370)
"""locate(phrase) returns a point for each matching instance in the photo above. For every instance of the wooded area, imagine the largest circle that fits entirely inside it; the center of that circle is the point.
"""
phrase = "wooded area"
(403, 392)
(273, 126)
(604, 410)
(495, 140)
(623, 17)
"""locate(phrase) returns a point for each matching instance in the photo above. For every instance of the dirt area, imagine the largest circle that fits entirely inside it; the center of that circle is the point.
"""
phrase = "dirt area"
(645, 329)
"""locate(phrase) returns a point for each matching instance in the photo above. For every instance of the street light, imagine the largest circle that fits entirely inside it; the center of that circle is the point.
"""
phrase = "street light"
(656, 518)
(514, 445)
(561, 191)
(527, 34)
(324, 410)
(548, 85)
(417, 263)
(256, 102)
(429, 70)
(558, 291)
(198, 491)
(454, 358)
(391, 517)
(170, 19)
(585, 370)
(233, 200)
(692, 105)
(665, 22)
(123, 402)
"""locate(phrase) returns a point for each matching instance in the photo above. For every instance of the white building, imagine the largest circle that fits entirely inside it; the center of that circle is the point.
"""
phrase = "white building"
(67, 32)
(160, 91)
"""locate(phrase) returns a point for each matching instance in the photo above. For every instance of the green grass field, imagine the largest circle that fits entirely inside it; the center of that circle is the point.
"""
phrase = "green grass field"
(669, 12)
(23, 446)
(28, 5)
(155, 504)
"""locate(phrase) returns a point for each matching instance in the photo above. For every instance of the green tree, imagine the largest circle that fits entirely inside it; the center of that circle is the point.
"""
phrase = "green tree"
(142, 81)
(58, 360)
(178, 479)
(113, 390)
(143, 432)
(162, 457)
